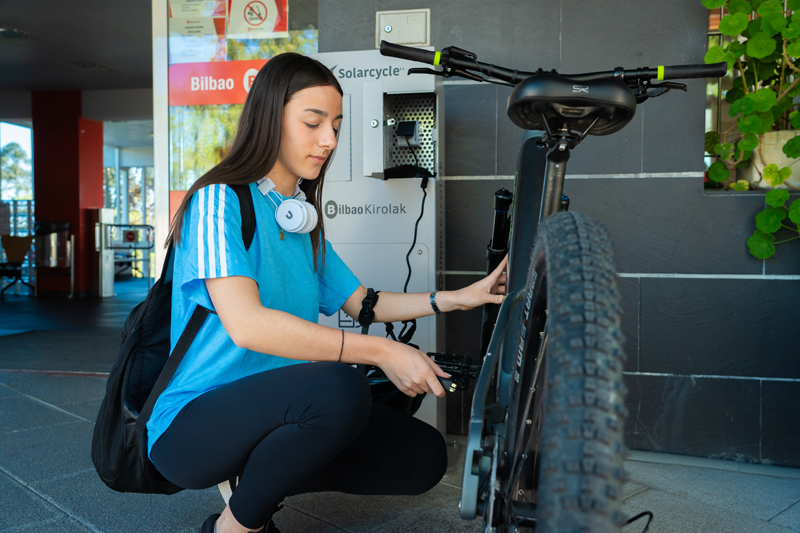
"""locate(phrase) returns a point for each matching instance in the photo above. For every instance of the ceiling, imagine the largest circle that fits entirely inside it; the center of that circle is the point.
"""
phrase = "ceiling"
(64, 34)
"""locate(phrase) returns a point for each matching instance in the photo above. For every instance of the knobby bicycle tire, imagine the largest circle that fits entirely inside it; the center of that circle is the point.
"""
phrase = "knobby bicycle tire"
(571, 474)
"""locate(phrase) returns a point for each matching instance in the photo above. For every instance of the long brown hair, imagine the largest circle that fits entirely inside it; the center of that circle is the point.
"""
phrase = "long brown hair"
(258, 137)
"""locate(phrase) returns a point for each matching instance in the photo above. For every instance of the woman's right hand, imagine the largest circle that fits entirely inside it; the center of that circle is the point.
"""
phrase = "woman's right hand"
(412, 371)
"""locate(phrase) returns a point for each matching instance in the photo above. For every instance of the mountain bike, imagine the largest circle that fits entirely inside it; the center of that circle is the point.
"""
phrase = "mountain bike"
(545, 447)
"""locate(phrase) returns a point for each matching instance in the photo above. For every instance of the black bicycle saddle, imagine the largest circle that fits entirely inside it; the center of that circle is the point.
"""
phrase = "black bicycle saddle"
(576, 104)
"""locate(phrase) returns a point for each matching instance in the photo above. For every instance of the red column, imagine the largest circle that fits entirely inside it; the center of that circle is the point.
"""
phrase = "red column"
(68, 181)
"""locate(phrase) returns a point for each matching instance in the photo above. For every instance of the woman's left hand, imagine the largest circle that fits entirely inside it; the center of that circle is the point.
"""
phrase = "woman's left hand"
(489, 290)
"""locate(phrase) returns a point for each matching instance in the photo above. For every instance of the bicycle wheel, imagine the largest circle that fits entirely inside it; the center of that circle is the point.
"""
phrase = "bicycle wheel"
(566, 445)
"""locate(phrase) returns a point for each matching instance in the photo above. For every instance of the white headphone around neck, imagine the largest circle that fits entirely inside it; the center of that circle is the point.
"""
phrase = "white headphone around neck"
(294, 215)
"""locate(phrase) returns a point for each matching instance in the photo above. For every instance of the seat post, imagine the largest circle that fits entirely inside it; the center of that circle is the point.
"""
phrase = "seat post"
(555, 173)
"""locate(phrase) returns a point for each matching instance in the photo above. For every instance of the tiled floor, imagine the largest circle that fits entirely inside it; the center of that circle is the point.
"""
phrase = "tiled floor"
(48, 483)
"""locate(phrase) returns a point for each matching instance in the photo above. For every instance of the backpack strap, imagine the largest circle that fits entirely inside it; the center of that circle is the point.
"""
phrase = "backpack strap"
(248, 212)
(200, 313)
(175, 358)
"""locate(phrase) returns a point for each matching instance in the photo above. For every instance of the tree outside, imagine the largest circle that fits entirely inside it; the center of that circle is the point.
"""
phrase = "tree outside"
(16, 181)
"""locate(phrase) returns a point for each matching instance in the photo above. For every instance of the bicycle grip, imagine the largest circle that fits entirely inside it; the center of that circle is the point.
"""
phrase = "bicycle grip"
(407, 52)
(678, 72)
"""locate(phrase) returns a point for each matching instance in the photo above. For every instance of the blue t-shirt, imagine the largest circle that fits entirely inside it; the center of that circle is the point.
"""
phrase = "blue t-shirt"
(212, 247)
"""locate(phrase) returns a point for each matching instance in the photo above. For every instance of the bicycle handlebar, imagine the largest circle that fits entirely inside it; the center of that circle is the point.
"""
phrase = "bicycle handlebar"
(453, 61)
(406, 52)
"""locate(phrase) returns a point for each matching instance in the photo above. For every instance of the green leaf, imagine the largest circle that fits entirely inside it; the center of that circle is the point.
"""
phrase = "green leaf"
(745, 162)
(745, 106)
(756, 4)
(795, 91)
(760, 245)
(723, 150)
(777, 197)
(793, 5)
(767, 70)
(770, 7)
(784, 105)
(715, 54)
(753, 28)
(717, 172)
(765, 99)
(749, 124)
(731, 95)
(769, 220)
(792, 148)
(776, 176)
(777, 54)
(760, 45)
(792, 31)
(741, 185)
(712, 138)
(740, 6)
(794, 212)
(773, 24)
(794, 117)
(734, 24)
(736, 48)
(767, 120)
(793, 49)
(748, 142)
(713, 4)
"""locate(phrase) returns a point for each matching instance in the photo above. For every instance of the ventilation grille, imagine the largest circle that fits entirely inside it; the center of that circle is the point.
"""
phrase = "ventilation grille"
(422, 108)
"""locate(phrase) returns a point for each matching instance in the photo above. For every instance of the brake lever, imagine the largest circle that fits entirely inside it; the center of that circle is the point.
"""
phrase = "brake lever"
(447, 72)
(425, 71)
(658, 89)
(666, 86)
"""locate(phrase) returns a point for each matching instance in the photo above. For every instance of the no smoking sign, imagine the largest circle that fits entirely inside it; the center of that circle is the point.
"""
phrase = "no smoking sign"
(258, 19)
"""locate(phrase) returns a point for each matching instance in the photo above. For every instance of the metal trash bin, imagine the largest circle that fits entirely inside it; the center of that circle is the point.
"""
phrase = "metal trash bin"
(53, 244)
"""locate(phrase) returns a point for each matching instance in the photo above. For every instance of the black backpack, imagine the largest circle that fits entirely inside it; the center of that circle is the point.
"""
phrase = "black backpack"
(142, 371)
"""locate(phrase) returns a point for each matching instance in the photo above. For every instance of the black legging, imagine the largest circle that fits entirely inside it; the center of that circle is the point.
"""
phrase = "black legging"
(302, 428)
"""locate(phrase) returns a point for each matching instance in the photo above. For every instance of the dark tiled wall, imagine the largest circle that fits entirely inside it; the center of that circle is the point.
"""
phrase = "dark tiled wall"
(702, 321)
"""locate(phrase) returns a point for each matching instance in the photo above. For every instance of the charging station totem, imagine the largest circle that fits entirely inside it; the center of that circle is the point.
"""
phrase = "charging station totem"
(370, 219)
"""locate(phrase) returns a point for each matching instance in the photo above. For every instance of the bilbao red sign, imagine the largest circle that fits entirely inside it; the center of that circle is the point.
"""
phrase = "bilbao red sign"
(212, 83)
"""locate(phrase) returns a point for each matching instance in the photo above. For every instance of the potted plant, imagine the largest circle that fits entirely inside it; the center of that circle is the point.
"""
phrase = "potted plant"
(766, 43)
(764, 53)
(771, 221)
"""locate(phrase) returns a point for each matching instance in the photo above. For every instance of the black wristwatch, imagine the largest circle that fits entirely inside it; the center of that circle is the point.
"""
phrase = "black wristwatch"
(433, 303)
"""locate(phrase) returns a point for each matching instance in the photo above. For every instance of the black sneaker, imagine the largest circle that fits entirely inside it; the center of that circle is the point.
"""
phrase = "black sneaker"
(208, 525)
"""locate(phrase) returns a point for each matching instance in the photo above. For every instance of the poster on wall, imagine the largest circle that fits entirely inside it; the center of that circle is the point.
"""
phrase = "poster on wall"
(182, 9)
(212, 83)
(197, 31)
(258, 19)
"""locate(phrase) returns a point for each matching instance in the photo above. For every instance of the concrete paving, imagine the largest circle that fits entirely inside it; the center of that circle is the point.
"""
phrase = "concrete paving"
(48, 483)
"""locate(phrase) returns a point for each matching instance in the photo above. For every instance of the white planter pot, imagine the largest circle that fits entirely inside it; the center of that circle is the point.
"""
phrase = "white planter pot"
(772, 149)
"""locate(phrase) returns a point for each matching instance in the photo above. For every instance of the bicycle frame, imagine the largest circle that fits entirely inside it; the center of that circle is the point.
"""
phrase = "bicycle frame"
(538, 192)
(539, 183)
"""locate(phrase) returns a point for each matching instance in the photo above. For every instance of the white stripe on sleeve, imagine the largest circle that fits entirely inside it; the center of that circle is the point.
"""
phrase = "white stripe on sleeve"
(212, 252)
(201, 264)
(223, 256)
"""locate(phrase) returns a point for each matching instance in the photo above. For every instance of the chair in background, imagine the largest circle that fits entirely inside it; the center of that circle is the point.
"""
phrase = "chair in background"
(16, 249)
